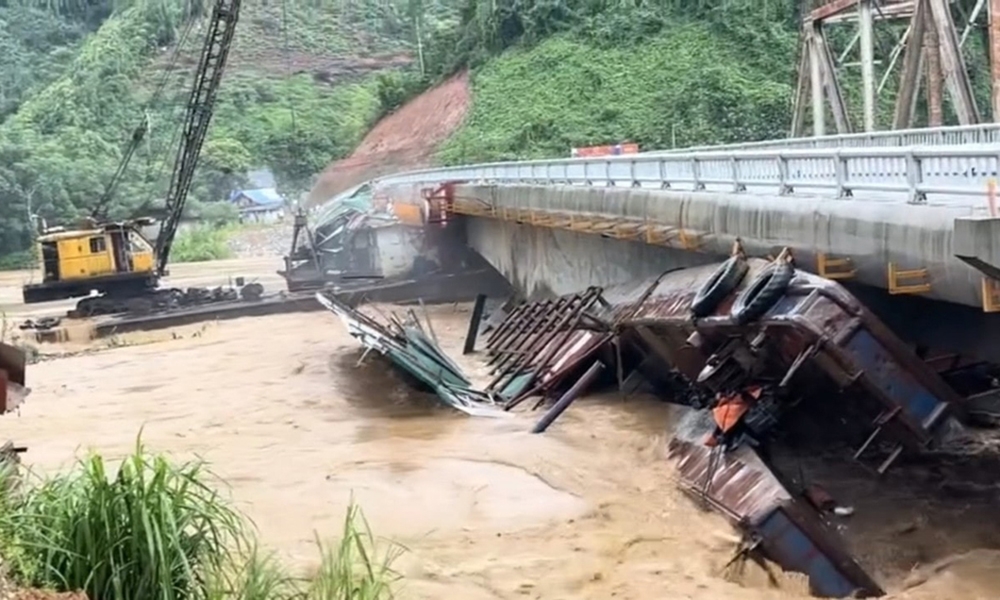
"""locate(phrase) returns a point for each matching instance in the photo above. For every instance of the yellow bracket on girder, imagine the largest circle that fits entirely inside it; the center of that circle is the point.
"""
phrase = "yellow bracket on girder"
(991, 295)
(628, 231)
(897, 277)
(688, 241)
(657, 234)
(834, 268)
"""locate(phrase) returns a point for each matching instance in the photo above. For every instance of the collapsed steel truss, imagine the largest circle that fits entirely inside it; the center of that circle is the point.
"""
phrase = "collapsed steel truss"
(930, 48)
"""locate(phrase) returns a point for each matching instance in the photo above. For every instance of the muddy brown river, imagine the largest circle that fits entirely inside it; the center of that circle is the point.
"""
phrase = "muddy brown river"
(282, 412)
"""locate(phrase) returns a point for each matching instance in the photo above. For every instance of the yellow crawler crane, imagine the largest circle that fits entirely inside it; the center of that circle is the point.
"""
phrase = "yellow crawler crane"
(114, 258)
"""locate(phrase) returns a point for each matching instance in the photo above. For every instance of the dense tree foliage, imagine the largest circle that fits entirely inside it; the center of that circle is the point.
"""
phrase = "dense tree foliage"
(85, 73)
(602, 71)
(79, 75)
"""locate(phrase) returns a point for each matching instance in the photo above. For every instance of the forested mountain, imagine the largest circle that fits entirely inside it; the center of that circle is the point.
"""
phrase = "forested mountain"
(78, 76)
(309, 77)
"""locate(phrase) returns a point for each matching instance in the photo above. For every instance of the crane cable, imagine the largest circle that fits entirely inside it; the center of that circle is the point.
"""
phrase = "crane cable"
(162, 152)
(288, 68)
(140, 132)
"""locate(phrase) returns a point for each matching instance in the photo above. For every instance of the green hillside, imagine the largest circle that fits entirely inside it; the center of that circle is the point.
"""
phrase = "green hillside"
(309, 77)
(299, 91)
(681, 87)
(553, 74)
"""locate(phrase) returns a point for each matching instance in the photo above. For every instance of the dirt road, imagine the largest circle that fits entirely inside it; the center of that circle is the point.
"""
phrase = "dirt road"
(279, 408)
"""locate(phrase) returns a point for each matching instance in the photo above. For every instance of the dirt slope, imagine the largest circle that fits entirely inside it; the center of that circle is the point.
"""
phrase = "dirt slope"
(406, 139)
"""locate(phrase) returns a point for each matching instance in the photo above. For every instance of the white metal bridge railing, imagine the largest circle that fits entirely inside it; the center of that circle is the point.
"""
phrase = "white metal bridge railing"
(949, 173)
(927, 136)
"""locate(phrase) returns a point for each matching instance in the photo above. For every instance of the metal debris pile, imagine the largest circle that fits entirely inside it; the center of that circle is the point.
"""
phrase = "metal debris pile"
(409, 347)
(13, 362)
(539, 345)
(753, 348)
(13, 393)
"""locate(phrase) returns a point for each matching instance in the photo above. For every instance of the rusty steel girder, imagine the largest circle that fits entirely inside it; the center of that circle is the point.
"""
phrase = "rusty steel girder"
(12, 368)
(815, 348)
(816, 331)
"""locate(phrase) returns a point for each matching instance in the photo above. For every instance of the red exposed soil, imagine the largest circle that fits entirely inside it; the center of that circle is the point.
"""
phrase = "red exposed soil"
(406, 139)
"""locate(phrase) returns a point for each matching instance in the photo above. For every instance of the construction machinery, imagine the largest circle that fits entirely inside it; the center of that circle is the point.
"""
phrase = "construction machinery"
(116, 259)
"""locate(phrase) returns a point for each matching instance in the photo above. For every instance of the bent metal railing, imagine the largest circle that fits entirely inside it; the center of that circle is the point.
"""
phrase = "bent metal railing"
(913, 173)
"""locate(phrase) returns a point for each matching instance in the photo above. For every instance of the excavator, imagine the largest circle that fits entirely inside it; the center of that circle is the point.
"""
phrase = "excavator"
(116, 259)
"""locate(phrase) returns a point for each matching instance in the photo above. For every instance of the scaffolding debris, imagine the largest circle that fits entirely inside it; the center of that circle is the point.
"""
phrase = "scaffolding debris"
(409, 347)
(539, 345)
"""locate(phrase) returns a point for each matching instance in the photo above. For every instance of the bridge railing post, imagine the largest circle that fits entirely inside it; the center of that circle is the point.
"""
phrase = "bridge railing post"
(664, 180)
(914, 177)
(784, 185)
(734, 164)
(840, 168)
(696, 174)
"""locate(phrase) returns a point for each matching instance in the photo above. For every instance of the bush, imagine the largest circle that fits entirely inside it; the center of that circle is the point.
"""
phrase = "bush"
(157, 530)
(396, 88)
(16, 261)
(200, 243)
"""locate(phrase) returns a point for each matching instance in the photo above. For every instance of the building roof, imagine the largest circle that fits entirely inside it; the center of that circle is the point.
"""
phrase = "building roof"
(264, 197)
(261, 209)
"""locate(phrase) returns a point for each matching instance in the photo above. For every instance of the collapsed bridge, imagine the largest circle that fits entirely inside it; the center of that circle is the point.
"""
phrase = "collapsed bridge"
(907, 229)
(878, 268)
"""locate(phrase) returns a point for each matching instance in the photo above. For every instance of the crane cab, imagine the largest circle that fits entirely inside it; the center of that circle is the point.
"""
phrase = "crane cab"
(110, 258)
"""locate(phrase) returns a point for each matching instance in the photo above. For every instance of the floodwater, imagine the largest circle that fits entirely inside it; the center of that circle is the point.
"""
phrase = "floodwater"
(282, 411)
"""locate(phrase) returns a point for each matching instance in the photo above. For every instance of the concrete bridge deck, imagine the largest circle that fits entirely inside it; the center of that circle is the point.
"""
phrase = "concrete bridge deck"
(911, 220)
(923, 269)
(942, 252)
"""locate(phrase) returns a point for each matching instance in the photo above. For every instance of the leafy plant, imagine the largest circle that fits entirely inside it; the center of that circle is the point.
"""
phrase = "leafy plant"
(396, 88)
(201, 243)
(157, 529)
(357, 567)
(152, 531)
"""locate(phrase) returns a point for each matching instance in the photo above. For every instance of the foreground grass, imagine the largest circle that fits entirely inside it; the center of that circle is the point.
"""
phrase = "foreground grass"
(158, 530)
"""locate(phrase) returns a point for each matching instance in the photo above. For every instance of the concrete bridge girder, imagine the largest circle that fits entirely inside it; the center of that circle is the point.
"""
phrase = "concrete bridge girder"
(872, 235)
(556, 240)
